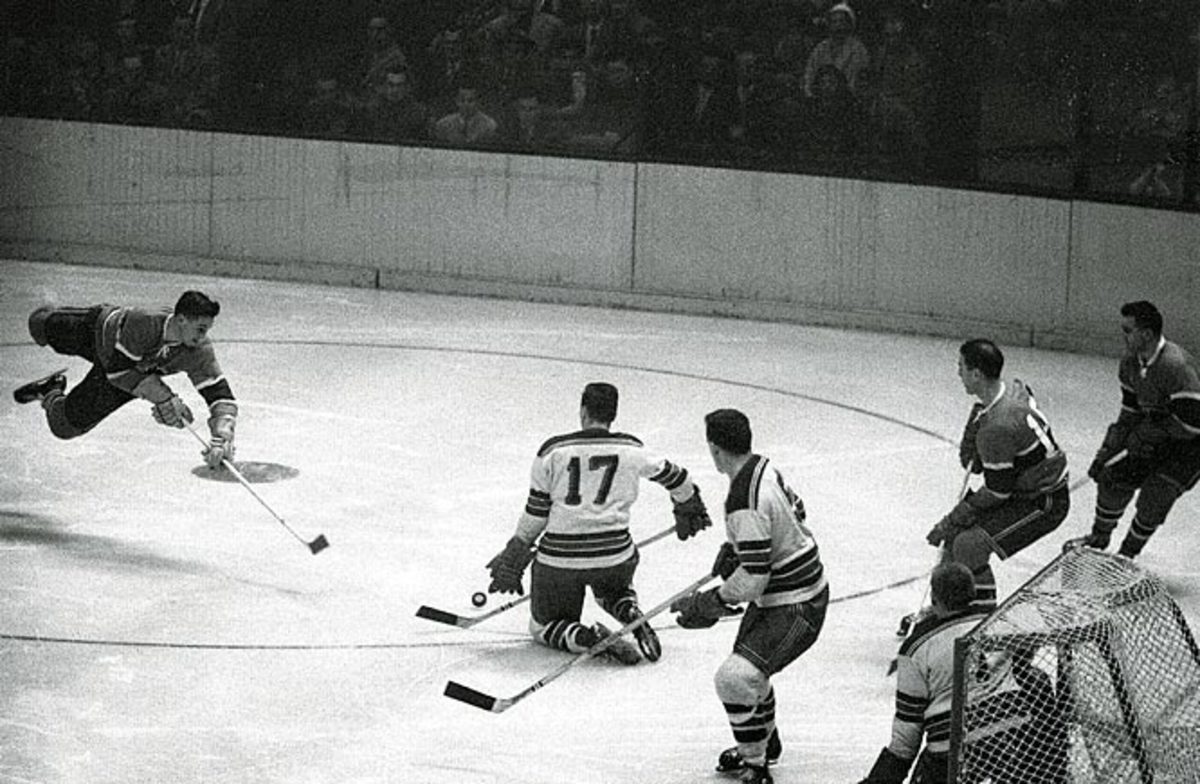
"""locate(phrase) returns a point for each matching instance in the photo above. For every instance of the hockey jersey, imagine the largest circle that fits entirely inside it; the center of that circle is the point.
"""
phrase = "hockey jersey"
(1166, 389)
(1016, 446)
(581, 487)
(131, 344)
(779, 562)
(925, 683)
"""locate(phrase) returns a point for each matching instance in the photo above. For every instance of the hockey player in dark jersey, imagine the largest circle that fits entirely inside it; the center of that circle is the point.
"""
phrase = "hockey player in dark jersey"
(582, 485)
(131, 349)
(1158, 428)
(771, 563)
(1024, 494)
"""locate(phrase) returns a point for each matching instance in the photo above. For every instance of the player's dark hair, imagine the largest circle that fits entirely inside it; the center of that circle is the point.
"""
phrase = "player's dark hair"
(982, 355)
(600, 400)
(194, 304)
(953, 585)
(1144, 315)
(729, 429)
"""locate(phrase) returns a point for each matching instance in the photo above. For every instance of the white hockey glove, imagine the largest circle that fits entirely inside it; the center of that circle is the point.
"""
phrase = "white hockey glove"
(221, 425)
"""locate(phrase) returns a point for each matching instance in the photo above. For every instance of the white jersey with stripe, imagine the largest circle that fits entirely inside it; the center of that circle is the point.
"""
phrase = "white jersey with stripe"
(581, 488)
(779, 562)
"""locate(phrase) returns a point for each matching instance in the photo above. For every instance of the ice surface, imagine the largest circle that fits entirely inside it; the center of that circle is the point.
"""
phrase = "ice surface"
(158, 626)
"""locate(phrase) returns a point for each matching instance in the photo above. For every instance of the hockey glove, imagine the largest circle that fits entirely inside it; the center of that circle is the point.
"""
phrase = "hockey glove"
(701, 610)
(888, 769)
(968, 454)
(727, 561)
(960, 517)
(690, 516)
(508, 567)
(1145, 440)
(1114, 441)
(221, 424)
(173, 412)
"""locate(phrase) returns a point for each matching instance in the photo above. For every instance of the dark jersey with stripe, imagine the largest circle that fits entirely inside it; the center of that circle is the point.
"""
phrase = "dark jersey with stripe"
(131, 344)
(1016, 446)
(779, 562)
(1165, 390)
(581, 488)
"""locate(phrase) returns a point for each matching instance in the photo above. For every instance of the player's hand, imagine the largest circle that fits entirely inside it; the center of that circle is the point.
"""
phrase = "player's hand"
(173, 412)
(1096, 469)
(219, 448)
(701, 610)
(508, 567)
(691, 517)
(727, 561)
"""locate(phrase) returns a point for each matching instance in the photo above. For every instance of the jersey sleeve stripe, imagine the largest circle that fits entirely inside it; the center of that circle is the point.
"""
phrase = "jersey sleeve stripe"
(671, 476)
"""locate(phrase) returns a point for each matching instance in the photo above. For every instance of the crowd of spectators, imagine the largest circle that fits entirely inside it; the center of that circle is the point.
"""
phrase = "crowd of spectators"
(889, 84)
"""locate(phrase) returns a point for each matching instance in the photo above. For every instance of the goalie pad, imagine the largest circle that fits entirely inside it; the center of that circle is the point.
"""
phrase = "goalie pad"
(889, 768)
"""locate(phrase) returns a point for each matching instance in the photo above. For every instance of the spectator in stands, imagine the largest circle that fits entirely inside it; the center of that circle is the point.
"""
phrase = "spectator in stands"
(381, 55)
(125, 42)
(467, 124)
(594, 37)
(531, 124)
(329, 111)
(703, 123)
(832, 120)
(514, 63)
(188, 70)
(131, 97)
(841, 49)
(392, 112)
(897, 100)
(448, 64)
(541, 28)
(752, 103)
(1159, 134)
(604, 112)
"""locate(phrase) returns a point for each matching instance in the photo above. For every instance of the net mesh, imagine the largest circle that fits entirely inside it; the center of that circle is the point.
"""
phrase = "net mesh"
(1087, 673)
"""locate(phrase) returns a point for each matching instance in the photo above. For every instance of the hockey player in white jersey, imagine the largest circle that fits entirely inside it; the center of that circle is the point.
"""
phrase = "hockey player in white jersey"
(771, 563)
(575, 529)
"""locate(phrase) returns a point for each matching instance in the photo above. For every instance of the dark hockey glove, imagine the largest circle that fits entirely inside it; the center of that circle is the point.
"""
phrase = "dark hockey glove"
(968, 454)
(888, 769)
(1114, 442)
(960, 517)
(508, 567)
(727, 561)
(173, 412)
(701, 610)
(690, 516)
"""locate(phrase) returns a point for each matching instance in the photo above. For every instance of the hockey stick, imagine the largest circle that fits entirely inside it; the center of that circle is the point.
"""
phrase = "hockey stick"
(465, 622)
(456, 691)
(315, 546)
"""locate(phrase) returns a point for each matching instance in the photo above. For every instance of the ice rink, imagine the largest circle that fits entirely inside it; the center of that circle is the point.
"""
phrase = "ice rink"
(158, 625)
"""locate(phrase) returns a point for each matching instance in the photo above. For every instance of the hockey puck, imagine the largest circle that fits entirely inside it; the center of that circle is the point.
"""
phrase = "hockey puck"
(479, 598)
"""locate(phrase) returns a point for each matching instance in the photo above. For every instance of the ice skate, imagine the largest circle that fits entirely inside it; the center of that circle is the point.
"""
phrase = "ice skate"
(647, 638)
(619, 650)
(755, 774)
(38, 390)
(1094, 540)
(731, 760)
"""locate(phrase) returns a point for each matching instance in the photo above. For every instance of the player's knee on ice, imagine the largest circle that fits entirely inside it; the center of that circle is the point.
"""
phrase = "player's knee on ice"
(37, 324)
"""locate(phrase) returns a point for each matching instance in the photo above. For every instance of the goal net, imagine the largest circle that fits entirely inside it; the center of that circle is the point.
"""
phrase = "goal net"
(1087, 673)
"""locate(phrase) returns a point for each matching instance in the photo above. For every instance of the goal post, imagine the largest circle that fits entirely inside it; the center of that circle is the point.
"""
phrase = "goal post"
(1087, 673)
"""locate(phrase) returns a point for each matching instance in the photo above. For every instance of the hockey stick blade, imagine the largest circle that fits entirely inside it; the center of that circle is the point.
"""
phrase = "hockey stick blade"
(466, 622)
(318, 544)
(456, 691)
(441, 616)
(486, 702)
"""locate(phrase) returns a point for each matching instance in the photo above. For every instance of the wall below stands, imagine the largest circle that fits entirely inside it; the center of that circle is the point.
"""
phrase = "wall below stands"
(1026, 271)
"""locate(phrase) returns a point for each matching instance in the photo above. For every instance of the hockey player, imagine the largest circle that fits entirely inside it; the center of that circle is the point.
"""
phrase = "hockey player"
(582, 485)
(131, 349)
(924, 681)
(1158, 427)
(1024, 494)
(770, 562)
